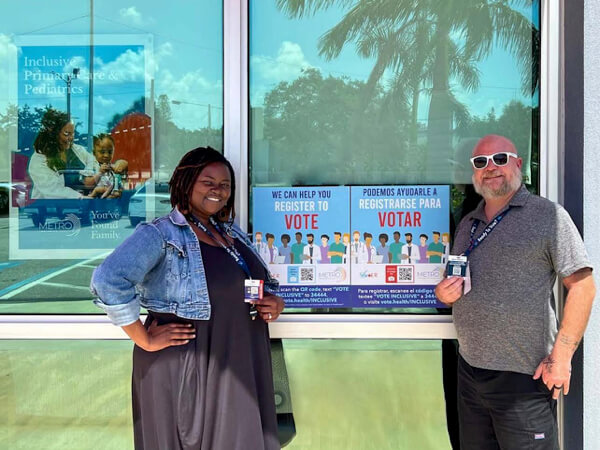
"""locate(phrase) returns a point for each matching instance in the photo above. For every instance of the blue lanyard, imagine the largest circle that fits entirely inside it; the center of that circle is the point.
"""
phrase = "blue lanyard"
(493, 224)
(230, 249)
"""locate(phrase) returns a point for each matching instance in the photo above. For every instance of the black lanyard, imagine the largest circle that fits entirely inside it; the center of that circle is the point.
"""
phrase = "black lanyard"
(230, 249)
(493, 224)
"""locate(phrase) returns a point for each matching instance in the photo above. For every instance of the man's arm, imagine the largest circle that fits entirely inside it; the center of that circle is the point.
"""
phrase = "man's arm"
(555, 369)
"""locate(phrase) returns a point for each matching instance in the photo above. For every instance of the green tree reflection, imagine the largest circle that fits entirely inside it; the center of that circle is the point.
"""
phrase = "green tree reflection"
(430, 46)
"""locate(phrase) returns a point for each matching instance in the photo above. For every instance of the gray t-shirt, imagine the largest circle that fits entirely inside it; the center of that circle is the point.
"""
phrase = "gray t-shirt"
(508, 319)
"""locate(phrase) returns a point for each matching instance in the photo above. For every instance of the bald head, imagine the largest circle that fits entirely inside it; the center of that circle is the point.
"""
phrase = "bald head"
(493, 143)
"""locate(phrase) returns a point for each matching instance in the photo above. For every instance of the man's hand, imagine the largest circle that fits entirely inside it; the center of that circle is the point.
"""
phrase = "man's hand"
(555, 373)
(449, 290)
(555, 369)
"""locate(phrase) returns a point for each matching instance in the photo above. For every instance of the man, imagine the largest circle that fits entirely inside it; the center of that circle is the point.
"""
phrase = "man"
(446, 245)
(410, 252)
(514, 362)
(356, 247)
(435, 251)
(312, 254)
(337, 250)
(423, 249)
(324, 248)
(396, 249)
(298, 249)
(261, 246)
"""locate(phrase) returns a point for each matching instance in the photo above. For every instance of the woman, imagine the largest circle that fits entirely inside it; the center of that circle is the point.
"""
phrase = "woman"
(58, 168)
(201, 365)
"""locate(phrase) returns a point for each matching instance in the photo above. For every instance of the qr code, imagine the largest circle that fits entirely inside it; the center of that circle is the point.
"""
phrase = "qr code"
(307, 274)
(457, 270)
(405, 274)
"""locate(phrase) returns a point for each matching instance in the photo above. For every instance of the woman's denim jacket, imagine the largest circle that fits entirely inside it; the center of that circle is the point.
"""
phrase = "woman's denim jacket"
(159, 267)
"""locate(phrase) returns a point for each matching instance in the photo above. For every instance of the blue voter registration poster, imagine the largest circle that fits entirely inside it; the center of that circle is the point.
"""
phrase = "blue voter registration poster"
(359, 246)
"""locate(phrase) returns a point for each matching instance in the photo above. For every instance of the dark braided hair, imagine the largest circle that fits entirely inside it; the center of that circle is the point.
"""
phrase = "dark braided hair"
(46, 142)
(185, 175)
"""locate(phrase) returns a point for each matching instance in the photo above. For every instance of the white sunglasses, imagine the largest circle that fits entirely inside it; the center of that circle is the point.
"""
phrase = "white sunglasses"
(500, 159)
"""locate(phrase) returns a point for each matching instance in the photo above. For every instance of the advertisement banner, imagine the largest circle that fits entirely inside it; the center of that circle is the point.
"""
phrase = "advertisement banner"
(359, 246)
(83, 144)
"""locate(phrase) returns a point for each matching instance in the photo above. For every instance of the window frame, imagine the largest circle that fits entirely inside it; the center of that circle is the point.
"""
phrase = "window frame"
(235, 141)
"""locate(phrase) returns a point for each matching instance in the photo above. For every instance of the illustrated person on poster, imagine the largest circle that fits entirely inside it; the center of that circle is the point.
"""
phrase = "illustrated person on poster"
(324, 248)
(435, 251)
(410, 252)
(337, 250)
(396, 249)
(368, 251)
(272, 252)
(384, 250)
(197, 319)
(285, 250)
(260, 246)
(356, 247)
(423, 249)
(298, 249)
(446, 244)
(108, 175)
(58, 167)
(346, 242)
(312, 254)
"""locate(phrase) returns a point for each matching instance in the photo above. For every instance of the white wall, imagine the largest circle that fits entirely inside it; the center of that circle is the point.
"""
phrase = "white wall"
(592, 216)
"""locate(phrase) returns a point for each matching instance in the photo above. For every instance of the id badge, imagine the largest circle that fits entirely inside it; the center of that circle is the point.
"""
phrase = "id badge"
(467, 283)
(253, 290)
(457, 266)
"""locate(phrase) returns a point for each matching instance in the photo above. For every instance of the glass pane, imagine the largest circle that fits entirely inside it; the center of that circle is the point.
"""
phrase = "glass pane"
(141, 84)
(364, 394)
(344, 394)
(389, 93)
(61, 394)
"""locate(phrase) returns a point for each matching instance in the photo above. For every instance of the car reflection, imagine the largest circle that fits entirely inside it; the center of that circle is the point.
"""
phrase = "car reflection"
(146, 205)
(15, 191)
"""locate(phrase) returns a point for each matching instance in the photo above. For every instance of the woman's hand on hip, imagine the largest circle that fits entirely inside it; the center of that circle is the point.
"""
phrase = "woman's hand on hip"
(270, 307)
(157, 337)
(170, 334)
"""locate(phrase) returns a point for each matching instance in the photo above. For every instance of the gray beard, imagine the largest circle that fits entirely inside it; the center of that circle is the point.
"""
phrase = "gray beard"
(511, 185)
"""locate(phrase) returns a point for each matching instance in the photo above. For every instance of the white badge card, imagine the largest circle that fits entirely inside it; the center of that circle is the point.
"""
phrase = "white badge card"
(253, 290)
(467, 282)
(457, 266)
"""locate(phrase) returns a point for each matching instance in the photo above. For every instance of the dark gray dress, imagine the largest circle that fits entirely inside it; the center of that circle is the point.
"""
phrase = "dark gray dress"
(215, 392)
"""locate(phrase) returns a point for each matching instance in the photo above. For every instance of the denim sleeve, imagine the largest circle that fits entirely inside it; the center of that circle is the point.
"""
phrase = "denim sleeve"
(113, 282)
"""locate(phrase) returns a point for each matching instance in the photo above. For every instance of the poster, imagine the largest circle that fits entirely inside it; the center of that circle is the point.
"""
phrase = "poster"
(299, 232)
(409, 245)
(76, 180)
(359, 246)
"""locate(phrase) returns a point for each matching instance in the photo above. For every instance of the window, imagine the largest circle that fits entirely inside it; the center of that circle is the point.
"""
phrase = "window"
(146, 80)
(348, 94)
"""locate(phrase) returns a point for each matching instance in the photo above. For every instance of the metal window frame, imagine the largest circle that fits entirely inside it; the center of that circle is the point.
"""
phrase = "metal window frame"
(340, 326)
